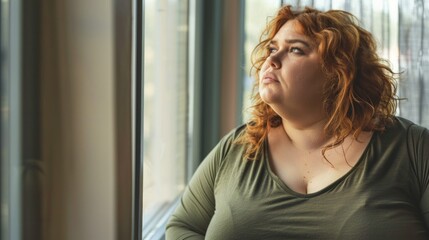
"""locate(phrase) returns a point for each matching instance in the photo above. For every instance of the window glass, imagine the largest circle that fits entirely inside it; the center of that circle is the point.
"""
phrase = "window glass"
(165, 107)
(10, 115)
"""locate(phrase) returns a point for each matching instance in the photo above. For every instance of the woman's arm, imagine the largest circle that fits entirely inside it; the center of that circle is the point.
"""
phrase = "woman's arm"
(192, 217)
(423, 153)
(418, 142)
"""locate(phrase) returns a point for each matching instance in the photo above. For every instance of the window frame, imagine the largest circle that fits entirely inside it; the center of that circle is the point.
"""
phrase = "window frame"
(136, 116)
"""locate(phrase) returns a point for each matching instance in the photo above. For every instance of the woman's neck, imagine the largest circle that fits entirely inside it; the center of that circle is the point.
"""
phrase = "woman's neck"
(309, 137)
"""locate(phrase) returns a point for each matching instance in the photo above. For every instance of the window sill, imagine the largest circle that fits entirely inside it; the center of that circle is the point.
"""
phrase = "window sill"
(155, 229)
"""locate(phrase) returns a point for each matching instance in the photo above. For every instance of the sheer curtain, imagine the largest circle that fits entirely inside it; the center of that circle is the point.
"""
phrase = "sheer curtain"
(414, 59)
(399, 27)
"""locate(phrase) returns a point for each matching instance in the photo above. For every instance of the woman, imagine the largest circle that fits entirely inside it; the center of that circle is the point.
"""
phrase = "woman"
(323, 156)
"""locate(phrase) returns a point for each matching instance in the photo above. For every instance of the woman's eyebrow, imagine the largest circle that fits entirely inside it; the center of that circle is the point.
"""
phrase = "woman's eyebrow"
(292, 40)
(296, 40)
(272, 42)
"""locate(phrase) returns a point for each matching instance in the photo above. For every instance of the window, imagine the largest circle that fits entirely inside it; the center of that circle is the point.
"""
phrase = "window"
(10, 158)
(166, 111)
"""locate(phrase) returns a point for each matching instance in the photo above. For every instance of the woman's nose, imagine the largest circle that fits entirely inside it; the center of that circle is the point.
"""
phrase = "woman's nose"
(273, 61)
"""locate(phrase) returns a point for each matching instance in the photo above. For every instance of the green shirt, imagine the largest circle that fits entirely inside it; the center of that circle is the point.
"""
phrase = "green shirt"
(384, 196)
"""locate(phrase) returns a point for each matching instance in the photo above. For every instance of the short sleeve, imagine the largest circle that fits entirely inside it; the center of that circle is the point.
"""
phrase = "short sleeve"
(420, 152)
(193, 215)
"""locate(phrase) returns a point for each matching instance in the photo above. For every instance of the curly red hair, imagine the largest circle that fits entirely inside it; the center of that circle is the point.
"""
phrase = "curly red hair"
(359, 94)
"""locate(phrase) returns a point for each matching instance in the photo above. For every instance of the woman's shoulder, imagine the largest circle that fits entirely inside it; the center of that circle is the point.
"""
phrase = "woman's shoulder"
(403, 134)
(229, 140)
(237, 132)
(404, 126)
(417, 135)
(402, 123)
(407, 126)
(416, 139)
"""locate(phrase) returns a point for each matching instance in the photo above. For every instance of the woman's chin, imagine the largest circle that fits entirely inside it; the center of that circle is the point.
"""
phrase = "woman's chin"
(269, 96)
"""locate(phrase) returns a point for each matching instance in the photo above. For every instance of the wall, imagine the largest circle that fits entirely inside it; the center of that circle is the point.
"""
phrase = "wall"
(78, 127)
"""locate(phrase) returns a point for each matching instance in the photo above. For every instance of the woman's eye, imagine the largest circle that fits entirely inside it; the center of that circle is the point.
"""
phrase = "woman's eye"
(296, 50)
(272, 50)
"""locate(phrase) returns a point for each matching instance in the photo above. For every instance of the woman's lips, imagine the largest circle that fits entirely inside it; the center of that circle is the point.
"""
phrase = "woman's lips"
(269, 78)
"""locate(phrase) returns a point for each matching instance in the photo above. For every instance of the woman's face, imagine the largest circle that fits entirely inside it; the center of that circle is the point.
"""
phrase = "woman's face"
(291, 77)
